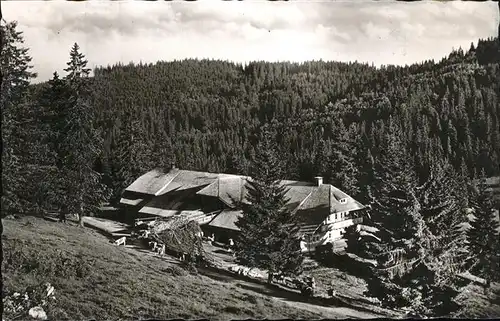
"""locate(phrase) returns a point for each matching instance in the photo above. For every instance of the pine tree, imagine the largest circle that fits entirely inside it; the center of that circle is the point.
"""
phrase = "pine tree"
(483, 235)
(342, 167)
(42, 133)
(441, 199)
(135, 155)
(162, 151)
(55, 106)
(82, 143)
(320, 159)
(443, 210)
(15, 73)
(268, 236)
(366, 172)
(396, 213)
(76, 70)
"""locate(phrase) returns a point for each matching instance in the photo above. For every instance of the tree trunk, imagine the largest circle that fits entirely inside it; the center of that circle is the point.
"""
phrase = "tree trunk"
(80, 212)
(269, 277)
(62, 216)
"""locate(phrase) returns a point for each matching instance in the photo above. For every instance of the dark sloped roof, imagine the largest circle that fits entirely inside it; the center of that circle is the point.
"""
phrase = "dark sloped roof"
(231, 189)
(189, 179)
(152, 182)
(175, 200)
(341, 202)
(313, 215)
(227, 219)
(323, 201)
(157, 182)
(210, 190)
(296, 194)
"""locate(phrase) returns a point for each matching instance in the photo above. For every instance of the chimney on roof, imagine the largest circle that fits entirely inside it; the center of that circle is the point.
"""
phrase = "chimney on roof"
(319, 180)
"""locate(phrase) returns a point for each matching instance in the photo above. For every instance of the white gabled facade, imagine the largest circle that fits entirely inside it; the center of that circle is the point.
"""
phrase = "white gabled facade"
(331, 230)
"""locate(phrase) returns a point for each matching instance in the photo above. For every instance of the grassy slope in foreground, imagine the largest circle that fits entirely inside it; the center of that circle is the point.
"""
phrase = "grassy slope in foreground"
(119, 283)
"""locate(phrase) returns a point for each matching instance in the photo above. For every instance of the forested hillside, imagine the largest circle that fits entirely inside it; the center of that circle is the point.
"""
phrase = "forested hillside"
(203, 114)
(330, 117)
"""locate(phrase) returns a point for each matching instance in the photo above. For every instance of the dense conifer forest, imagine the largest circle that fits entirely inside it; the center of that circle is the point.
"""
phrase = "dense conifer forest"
(330, 116)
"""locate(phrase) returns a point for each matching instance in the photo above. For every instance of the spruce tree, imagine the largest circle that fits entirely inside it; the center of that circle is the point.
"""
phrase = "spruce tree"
(366, 172)
(443, 210)
(321, 160)
(134, 155)
(42, 132)
(343, 171)
(443, 206)
(483, 236)
(82, 143)
(15, 76)
(76, 69)
(269, 237)
(54, 108)
(396, 213)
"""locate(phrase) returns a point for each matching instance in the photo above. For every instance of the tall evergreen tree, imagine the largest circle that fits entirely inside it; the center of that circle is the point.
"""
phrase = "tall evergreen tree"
(77, 71)
(483, 235)
(268, 236)
(54, 108)
(81, 143)
(320, 159)
(443, 210)
(53, 113)
(365, 173)
(15, 76)
(441, 197)
(396, 214)
(134, 154)
(343, 171)
(42, 132)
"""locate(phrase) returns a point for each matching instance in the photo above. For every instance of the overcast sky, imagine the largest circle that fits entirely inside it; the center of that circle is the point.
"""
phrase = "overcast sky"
(123, 31)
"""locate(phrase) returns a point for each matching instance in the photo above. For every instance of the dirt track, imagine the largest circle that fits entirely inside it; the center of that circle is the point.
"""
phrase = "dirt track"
(296, 300)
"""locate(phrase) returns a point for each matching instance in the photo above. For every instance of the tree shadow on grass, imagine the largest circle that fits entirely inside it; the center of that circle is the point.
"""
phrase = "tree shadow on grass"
(275, 291)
